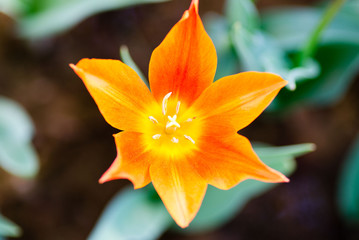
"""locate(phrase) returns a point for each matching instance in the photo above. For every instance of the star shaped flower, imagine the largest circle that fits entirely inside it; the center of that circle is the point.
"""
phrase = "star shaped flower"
(182, 134)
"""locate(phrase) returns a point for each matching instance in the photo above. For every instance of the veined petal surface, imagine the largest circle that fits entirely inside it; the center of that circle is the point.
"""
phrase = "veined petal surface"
(121, 96)
(185, 62)
(132, 162)
(225, 161)
(180, 187)
(233, 102)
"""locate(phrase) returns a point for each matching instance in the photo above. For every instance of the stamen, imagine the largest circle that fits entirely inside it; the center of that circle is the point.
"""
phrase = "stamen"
(189, 138)
(178, 107)
(190, 119)
(172, 122)
(156, 136)
(174, 140)
(154, 120)
(164, 103)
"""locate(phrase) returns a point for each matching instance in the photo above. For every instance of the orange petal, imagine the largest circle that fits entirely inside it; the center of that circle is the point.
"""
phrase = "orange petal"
(185, 62)
(180, 188)
(224, 162)
(118, 91)
(233, 102)
(132, 160)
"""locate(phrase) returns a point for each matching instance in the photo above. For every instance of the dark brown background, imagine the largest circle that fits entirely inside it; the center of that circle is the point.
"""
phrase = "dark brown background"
(75, 144)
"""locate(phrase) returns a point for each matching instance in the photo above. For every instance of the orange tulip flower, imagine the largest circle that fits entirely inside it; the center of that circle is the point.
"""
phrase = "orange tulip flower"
(181, 135)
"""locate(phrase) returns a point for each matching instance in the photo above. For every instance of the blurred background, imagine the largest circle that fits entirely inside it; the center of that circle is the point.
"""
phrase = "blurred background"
(75, 146)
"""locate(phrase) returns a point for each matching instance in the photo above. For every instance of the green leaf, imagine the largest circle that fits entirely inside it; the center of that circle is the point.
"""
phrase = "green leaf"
(337, 55)
(132, 215)
(19, 159)
(217, 28)
(257, 51)
(17, 155)
(127, 59)
(244, 12)
(62, 15)
(8, 228)
(348, 187)
(12, 8)
(279, 24)
(220, 206)
(15, 124)
(339, 65)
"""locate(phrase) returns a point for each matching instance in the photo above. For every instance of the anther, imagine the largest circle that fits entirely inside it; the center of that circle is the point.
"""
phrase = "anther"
(174, 140)
(156, 136)
(154, 120)
(190, 139)
(164, 103)
(178, 107)
(190, 119)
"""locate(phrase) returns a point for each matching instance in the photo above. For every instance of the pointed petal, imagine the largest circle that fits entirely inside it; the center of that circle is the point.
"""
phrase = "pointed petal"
(233, 102)
(132, 160)
(185, 62)
(224, 162)
(180, 188)
(118, 91)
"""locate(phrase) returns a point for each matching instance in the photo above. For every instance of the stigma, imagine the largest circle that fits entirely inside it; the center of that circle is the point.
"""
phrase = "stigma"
(172, 129)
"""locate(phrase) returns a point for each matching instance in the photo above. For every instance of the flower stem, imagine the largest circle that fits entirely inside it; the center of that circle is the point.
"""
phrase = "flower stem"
(311, 45)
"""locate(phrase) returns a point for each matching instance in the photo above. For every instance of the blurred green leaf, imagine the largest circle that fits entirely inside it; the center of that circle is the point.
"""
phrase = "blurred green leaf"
(339, 65)
(348, 187)
(279, 23)
(15, 124)
(19, 159)
(46, 18)
(17, 155)
(12, 7)
(127, 59)
(219, 206)
(132, 215)
(259, 52)
(337, 54)
(8, 228)
(217, 28)
(244, 12)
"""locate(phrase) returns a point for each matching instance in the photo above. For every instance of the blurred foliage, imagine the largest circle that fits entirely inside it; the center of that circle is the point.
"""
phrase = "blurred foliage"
(45, 18)
(132, 215)
(274, 41)
(348, 187)
(127, 59)
(135, 214)
(17, 155)
(8, 228)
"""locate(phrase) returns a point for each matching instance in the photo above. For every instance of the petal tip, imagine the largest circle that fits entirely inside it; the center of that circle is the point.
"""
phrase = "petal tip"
(285, 179)
(104, 178)
(194, 5)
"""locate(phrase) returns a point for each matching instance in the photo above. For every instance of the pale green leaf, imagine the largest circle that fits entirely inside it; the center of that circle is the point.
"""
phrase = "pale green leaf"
(17, 155)
(127, 59)
(8, 228)
(62, 15)
(348, 187)
(217, 28)
(244, 12)
(18, 158)
(15, 124)
(132, 215)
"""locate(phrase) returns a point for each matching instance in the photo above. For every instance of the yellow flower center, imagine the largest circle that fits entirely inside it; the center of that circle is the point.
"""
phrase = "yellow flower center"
(170, 132)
